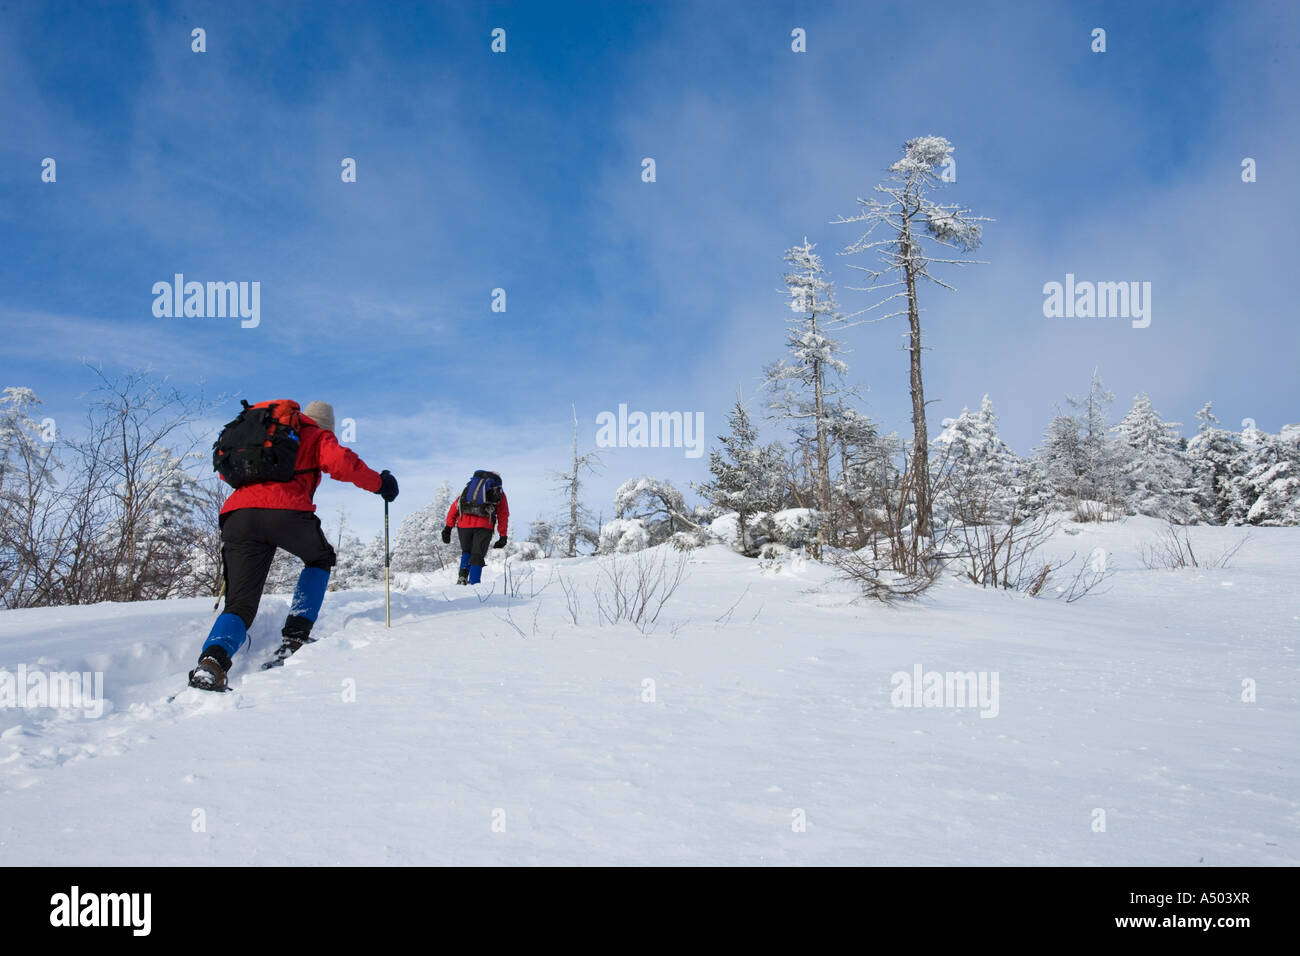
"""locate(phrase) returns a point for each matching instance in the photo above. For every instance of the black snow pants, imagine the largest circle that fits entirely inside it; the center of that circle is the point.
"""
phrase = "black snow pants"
(474, 542)
(249, 538)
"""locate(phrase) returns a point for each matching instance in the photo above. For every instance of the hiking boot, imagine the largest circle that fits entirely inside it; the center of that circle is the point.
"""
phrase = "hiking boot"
(296, 632)
(462, 576)
(210, 674)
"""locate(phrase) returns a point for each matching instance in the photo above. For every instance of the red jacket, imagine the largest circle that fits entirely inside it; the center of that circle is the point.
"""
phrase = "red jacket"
(318, 451)
(502, 517)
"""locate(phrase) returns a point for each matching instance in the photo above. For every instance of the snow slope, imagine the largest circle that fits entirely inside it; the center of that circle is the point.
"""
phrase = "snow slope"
(459, 737)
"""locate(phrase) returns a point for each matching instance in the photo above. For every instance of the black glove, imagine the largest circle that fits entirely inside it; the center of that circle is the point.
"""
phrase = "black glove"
(387, 490)
(501, 542)
(446, 535)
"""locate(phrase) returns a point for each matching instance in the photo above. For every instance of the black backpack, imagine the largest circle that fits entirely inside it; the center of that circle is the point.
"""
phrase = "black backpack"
(261, 444)
(482, 494)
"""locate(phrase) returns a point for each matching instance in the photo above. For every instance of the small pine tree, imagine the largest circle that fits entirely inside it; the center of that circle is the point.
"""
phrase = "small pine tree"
(868, 471)
(1077, 462)
(1061, 460)
(984, 483)
(1152, 469)
(1218, 460)
(746, 475)
(804, 383)
(1098, 479)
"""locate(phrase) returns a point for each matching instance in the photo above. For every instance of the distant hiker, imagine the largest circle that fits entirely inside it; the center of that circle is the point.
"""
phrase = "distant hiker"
(273, 454)
(480, 507)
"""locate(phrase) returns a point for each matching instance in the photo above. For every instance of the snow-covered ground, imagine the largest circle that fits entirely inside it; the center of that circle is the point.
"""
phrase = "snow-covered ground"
(458, 736)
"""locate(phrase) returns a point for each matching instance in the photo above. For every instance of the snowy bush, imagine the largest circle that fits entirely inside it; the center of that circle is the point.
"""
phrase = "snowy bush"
(726, 528)
(623, 536)
(657, 504)
(796, 527)
(525, 550)
(1086, 510)
(775, 557)
(791, 528)
(689, 540)
(515, 551)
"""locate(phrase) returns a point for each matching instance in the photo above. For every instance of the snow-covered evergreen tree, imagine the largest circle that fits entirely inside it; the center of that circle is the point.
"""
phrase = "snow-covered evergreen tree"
(804, 382)
(1154, 476)
(983, 483)
(868, 470)
(1218, 460)
(419, 546)
(1095, 447)
(746, 475)
(1077, 459)
(28, 478)
(369, 564)
(173, 521)
(1268, 493)
(351, 570)
(1061, 461)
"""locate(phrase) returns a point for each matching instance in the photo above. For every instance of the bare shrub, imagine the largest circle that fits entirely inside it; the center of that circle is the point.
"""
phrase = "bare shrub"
(876, 577)
(572, 599)
(1087, 511)
(1085, 580)
(123, 512)
(635, 589)
(1173, 549)
(1004, 556)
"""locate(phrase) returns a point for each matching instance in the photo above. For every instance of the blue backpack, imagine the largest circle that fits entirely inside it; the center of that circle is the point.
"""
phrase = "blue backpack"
(481, 494)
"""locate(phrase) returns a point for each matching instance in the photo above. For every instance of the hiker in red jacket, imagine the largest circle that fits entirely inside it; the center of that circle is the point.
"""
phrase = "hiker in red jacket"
(261, 516)
(480, 507)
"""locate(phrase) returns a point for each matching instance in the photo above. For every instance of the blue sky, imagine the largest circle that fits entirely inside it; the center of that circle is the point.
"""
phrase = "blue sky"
(522, 171)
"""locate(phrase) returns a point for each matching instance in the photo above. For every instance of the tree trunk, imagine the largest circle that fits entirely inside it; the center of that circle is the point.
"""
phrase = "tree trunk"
(823, 451)
(920, 443)
(573, 494)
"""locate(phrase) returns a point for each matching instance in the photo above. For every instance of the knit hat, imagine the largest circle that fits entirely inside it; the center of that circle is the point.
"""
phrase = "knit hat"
(322, 413)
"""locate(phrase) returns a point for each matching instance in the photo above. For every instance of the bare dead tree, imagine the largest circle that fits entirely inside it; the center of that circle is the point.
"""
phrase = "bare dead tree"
(897, 229)
(578, 526)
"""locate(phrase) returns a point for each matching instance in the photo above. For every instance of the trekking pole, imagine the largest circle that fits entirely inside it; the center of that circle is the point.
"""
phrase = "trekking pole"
(222, 592)
(387, 616)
